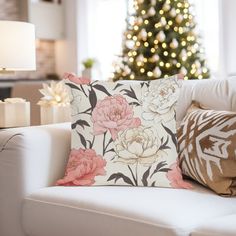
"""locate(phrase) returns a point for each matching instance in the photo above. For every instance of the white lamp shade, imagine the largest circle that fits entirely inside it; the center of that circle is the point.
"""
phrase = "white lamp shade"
(17, 46)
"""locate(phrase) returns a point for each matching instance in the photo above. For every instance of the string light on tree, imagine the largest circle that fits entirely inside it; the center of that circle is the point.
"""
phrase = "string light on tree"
(150, 74)
(161, 40)
(161, 64)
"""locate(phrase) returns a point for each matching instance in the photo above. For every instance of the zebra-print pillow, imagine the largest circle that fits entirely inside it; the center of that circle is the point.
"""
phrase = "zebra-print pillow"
(207, 148)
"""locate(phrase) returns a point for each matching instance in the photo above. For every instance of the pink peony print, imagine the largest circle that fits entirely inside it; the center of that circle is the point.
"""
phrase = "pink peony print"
(83, 166)
(77, 80)
(175, 177)
(114, 114)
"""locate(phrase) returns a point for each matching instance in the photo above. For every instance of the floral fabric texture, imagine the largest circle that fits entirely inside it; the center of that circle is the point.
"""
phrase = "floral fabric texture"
(123, 134)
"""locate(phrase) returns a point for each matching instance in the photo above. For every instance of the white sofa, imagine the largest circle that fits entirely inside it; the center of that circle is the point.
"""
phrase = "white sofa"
(33, 158)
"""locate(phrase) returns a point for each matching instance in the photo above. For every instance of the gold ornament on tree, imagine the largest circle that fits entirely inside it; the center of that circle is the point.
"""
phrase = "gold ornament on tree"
(199, 71)
(130, 44)
(161, 36)
(157, 72)
(151, 11)
(183, 70)
(163, 21)
(140, 1)
(127, 70)
(183, 53)
(166, 7)
(153, 2)
(198, 64)
(139, 21)
(172, 13)
(179, 18)
(143, 34)
(174, 44)
(140, 58)
(154, 58)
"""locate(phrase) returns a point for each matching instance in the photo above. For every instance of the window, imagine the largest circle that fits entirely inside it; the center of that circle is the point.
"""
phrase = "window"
(207, 18)
(106, 24)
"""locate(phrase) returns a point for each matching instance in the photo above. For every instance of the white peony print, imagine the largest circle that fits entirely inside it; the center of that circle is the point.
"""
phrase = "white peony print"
(138, 145)
(159, 101)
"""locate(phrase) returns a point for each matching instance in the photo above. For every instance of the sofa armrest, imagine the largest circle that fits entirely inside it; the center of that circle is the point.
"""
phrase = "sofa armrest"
(30, 158)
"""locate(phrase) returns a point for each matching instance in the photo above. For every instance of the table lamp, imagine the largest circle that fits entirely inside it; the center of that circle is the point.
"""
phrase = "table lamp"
(17, 53)
(17, 46)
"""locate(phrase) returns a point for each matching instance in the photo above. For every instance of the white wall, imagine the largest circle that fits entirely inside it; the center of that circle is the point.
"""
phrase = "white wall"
(66, 50)
(74, 48)
(82, 26)
(228, 36)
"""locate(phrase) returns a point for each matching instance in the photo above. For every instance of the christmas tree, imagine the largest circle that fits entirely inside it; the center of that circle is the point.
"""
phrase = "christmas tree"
(161, 41)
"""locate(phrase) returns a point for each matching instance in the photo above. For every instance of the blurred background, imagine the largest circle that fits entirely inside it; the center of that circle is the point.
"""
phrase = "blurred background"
(70, 31)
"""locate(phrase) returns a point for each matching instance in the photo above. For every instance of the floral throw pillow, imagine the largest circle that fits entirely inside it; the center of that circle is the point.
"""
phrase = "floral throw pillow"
(123, 134)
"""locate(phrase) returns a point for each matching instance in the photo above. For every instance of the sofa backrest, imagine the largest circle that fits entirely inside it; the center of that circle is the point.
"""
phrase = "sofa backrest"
(212, 93)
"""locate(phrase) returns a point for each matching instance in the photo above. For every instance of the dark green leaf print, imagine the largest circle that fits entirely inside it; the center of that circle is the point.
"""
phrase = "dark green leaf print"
(145, 177)
(173, 136)
(130, 93)
(118, 176)
(92, 98)
(117, 86)
(82, 139)
(101, 88)
(81, 123)
(159, 168)
(72, 86)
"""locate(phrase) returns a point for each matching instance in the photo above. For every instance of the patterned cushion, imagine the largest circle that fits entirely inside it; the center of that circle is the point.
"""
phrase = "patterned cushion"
(207, 148)
(124, 134)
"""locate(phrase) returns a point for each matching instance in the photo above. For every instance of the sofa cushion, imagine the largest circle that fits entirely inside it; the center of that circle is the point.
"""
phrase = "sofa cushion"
(117, 211)
(221, 226)
(124, 134)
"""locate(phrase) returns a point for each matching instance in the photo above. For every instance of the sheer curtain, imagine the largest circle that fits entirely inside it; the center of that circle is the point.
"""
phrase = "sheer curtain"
(207, 17)
(106, 24)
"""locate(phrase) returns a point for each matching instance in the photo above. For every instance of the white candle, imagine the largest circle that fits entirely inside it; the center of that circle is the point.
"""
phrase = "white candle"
(15, 112)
